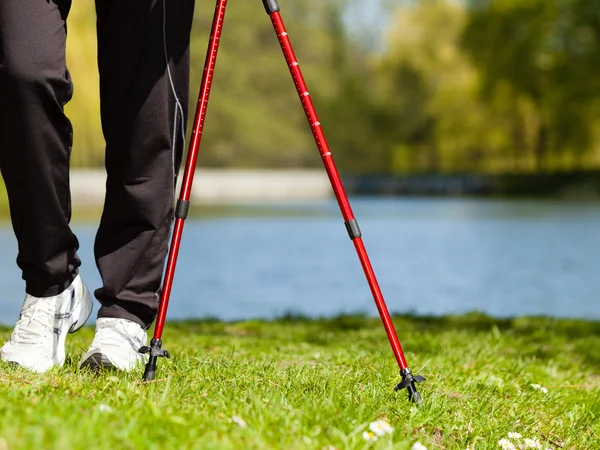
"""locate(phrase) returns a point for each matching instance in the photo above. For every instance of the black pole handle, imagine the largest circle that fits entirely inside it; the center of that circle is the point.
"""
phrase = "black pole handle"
(271, 6)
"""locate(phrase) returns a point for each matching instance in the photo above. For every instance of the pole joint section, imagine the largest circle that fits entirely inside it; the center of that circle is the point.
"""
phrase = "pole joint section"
(353, 229)
(183, 207)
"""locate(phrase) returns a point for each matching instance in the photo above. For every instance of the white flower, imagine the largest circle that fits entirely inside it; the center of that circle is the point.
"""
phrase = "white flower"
(381, 427)
(506, 444)
(104, 408)
(539, 387)
(418, 446)
(368, 436)
(386, 426)
(377, 428)
(532, 443)
(514, 435)
(241, 422)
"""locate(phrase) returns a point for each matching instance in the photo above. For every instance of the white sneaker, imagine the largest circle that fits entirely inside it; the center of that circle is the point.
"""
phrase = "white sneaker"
(115, 345)
(38, 340)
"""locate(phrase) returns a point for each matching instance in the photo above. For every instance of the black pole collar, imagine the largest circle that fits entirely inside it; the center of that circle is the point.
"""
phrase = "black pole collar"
(271, 6)
(408, 382)
(155, 351)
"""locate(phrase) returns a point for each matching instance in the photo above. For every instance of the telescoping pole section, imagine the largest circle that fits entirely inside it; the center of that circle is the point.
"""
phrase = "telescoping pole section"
(408, 379)
(155, 349)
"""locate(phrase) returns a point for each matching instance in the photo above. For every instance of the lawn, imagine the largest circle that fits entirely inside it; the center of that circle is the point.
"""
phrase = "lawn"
(318, 384)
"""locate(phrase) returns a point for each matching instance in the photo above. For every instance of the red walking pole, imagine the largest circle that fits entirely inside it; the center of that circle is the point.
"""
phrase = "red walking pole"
(408, 379)
(272, 7)
(155, 349)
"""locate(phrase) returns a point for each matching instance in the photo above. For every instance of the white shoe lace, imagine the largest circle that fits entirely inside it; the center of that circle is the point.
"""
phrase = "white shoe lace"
(36, 321)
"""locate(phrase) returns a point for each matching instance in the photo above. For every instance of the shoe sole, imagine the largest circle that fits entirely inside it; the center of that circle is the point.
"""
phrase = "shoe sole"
(97, 362)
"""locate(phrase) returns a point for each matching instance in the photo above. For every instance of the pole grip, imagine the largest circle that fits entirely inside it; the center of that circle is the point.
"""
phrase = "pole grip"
(271, 6)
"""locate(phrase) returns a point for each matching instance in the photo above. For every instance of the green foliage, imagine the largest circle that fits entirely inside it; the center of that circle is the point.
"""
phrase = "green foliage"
(546, 54)
(254, 117)
(84, 109)
(317, 384)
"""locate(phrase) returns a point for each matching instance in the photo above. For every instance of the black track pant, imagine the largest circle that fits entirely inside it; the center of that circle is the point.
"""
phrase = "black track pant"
(137, 110)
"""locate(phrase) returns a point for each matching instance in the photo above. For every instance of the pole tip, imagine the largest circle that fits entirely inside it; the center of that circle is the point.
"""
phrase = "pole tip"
(409, 382)
(413, 395)
(149, 373)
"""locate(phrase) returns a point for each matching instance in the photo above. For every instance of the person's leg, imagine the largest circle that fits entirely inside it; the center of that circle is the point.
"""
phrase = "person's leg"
(35, 140)
(144, 145)
(35, 144)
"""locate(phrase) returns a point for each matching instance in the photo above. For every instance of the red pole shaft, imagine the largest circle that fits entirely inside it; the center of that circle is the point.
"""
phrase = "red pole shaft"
(190, 165)
(336, 182)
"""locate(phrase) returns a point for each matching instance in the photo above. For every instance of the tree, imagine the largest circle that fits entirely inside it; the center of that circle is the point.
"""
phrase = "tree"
(546, 54)
(255, 118)
(431, 90)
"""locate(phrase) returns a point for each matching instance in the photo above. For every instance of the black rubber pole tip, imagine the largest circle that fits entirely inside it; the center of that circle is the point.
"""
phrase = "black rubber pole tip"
(150, 373)
(413, 394)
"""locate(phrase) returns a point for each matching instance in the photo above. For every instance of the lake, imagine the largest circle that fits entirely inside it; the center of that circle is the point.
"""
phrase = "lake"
(431, 256)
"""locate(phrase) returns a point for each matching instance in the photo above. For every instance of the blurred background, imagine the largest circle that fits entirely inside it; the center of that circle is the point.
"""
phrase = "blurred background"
(467, 134)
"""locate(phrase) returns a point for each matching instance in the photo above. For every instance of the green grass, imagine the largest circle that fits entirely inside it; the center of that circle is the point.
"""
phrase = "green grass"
(318, 384)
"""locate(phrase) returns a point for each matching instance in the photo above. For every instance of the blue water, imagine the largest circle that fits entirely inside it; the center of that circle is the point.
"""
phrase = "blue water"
(431, 256)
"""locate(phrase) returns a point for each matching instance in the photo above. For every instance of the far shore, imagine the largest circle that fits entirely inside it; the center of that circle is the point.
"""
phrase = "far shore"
(220, 187)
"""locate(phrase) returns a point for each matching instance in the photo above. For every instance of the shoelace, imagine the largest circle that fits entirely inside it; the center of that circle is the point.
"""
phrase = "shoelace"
(36, 321)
